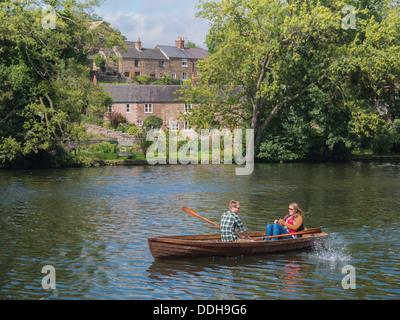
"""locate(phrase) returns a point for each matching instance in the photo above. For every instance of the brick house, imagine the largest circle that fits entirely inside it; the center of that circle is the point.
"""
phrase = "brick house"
(176, 61)
(137, 102)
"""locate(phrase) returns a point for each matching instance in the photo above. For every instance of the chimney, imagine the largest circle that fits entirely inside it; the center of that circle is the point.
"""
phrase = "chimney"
(138, 45)
(180, 43)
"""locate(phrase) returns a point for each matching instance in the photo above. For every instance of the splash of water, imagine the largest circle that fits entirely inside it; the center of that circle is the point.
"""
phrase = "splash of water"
(333, 250)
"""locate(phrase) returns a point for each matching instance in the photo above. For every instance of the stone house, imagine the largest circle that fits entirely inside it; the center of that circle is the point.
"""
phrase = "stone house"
(137, 102)
(139, 61)
(176, 61)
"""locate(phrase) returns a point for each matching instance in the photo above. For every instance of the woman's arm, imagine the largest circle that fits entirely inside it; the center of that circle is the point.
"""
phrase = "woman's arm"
(297, 225)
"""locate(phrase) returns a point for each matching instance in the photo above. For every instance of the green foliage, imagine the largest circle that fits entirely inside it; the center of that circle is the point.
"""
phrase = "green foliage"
(133, 130)
(166, 80)
(104, 147)
(45, 88)
(142, 79)
(267, 58)
(9, 150)
(143, 143)
(152, 122)
(278, 149)
(100, 62)
(385, 140)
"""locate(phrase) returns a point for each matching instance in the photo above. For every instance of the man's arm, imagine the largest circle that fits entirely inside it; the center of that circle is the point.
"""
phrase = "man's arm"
(242, 229)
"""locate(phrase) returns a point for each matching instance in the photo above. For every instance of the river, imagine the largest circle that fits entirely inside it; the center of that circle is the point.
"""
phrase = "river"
(91, 225)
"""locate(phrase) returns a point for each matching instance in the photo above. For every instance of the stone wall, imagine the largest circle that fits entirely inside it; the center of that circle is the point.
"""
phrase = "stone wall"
(152, 68)
(111, 134)
(145, 68)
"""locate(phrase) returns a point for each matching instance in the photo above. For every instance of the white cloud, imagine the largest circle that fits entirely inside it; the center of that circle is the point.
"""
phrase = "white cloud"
(157, 23)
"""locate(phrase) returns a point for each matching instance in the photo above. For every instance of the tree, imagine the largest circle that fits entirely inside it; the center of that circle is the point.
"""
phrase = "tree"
(152, 122)
(44, 78)
(100, 62)
(272, 55)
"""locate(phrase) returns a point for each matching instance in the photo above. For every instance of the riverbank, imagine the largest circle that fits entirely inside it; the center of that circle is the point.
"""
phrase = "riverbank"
(358, 157)
(394, 157)
(139, 159)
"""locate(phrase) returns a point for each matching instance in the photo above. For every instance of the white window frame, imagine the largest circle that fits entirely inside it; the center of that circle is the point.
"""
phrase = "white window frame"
(109, 109)
(184, 76)
(140, 123)
(187, 126)
(173, 75)
(185, 63)
(188, 108)
(148, 108)
(174, 125)
(128, 108)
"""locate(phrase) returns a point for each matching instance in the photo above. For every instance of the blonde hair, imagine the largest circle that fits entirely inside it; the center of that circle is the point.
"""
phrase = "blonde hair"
(299, 212)
(233, 204)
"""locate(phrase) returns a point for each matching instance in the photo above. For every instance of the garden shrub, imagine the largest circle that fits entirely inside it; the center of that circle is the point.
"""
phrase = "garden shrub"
(115, 119)
(152, 122)
(142, 79)
(104, 147)
(133, 130)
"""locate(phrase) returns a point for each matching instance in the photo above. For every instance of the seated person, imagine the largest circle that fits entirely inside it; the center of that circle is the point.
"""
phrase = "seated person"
(292, 223)
(230, 220)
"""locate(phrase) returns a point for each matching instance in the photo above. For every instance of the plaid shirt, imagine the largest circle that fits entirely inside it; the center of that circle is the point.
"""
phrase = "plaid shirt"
(229, 222)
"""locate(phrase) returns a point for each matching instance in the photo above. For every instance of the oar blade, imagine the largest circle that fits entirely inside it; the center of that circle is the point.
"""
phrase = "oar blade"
(191, 212)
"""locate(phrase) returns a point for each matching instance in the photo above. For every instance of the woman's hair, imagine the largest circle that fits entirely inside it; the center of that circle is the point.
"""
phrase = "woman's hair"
(298, 210)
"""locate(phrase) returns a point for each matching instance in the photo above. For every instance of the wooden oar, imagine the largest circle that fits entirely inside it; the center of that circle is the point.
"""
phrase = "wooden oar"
(191, 212)
(312, 230)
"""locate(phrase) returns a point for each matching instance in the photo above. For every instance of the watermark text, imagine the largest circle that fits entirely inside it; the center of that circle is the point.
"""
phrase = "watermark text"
(207, 143)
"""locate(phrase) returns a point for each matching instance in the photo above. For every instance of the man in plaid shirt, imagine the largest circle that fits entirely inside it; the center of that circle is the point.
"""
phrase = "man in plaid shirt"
(230, 221)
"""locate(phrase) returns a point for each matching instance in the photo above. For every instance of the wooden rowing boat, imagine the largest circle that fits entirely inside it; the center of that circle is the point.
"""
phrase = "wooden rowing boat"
(211, 245)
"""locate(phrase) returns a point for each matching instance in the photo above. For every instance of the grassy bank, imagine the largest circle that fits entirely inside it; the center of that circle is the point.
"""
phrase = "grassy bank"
(139, 158)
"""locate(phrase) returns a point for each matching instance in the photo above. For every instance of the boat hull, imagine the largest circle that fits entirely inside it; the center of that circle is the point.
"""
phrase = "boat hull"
(174, 247)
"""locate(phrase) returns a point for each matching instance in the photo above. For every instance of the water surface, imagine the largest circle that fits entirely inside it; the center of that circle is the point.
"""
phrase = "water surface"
(92, 225)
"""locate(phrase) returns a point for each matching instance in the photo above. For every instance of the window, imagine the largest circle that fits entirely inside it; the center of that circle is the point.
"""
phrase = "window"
(109, 109)
(148, 108)
(161, 64)
(126, 74)
(174, 125)
(184, 62)
(173, 75)
(140, 123)
(137, 63)
(188, 108)
(187, 126)
(184, 76)
(137, 74)
(128, 108)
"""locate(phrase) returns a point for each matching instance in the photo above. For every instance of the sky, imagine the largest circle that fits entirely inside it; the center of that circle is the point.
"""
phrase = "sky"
(156, 22)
